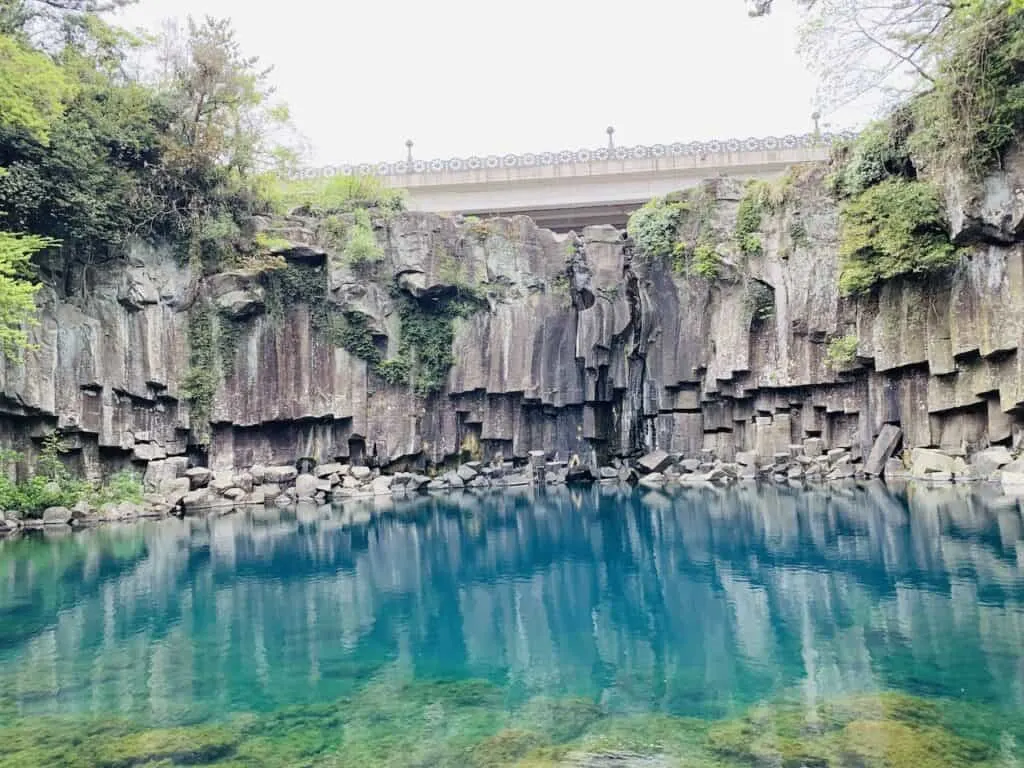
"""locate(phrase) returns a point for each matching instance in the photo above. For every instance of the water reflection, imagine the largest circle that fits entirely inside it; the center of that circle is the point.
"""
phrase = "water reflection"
(696, 603)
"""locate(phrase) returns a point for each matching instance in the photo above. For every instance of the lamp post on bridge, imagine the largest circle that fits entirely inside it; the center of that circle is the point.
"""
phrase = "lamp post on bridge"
(408, 150)
(610, 130)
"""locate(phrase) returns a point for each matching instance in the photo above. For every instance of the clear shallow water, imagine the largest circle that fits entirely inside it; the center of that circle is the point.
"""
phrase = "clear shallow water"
(743, 627)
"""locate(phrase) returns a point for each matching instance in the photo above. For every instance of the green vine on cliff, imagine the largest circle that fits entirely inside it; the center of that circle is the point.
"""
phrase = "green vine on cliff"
(200, 381)
(425, 347)
(229, 332)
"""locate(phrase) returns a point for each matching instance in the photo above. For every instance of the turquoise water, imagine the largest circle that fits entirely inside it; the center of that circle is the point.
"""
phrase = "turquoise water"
(536, 625)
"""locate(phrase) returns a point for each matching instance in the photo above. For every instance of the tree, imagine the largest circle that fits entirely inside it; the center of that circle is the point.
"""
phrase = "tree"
(222, 137)
(32, 89)
(17, 289)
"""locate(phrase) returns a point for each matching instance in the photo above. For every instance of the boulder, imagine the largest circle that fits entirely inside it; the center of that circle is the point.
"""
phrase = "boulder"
(653, 479)
(244, 480)
(515, 479)
(655, 461)
(199, 477)
(466, 472)
(842, 471)
(258, 495)
(198, 498)
(164, 469)
(577, 475)
(381, 485)
(360, 473)
(259, 474)
(417, 482)
(883, 449)
(331, 468)
(743, 458)
(305, 486)
(173, 491)
(280, 475)
(234, 494)
(609, 473)
(323, 486)
(57, 516)
(924, 461)
(82, 509)
(713, 475)
(453, 479)
(221, 481)
(986, 462)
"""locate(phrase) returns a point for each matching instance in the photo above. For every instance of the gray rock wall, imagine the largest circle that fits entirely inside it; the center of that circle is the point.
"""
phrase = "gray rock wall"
(581, 348)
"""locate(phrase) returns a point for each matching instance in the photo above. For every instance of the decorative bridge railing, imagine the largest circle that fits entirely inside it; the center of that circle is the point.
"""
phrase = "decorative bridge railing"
(579, 156)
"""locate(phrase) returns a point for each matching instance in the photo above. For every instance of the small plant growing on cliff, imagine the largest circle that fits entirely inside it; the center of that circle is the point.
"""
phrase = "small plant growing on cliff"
(707, 262)
(748, 218)
(479, 229)
(896, 227)
(842, 351)
(654, 227)
(361, 246)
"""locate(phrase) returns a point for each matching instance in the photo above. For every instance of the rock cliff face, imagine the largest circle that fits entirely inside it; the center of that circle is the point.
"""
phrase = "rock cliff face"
(574, 345)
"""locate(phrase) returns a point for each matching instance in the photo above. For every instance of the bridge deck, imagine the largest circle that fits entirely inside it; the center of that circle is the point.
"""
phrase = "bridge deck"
(568, 190)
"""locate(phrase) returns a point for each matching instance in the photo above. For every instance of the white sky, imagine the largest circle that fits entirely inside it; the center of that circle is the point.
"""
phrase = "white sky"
(462, 78)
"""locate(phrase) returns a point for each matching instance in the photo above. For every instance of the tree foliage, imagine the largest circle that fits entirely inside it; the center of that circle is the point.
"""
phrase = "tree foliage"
(17, 289)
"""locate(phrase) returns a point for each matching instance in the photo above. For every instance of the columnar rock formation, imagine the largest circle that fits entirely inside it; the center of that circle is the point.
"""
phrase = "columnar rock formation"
(575, 345)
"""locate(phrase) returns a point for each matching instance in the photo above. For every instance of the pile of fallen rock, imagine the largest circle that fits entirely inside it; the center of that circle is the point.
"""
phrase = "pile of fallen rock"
(809, 462)
(173, 487)
(199, 487)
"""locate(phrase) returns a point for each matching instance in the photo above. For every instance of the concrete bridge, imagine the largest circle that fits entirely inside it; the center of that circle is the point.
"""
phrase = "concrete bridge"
(571, 189)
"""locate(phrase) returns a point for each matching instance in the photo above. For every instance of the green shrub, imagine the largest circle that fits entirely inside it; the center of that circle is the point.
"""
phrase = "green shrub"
(124, 485)
(706, 260)
(361, 245)
(654, 227)
(896, 227)
(842, 351)
(878, 152)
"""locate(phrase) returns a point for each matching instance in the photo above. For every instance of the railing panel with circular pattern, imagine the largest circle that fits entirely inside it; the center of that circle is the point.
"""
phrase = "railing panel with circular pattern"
(580, 156)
